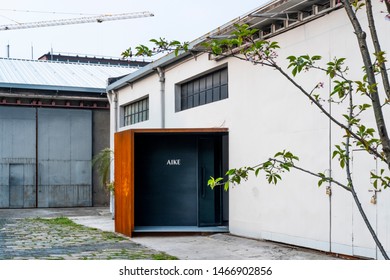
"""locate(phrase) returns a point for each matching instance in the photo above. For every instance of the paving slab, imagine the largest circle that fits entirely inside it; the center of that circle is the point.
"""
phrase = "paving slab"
(224, 246)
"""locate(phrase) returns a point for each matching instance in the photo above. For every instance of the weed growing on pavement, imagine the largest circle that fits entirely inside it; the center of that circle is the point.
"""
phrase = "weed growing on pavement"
(112, 236)
(61, 221)
(163, 256)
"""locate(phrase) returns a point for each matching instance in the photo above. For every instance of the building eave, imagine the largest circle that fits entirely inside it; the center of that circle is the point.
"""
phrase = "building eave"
(51, 88)
(147, 70)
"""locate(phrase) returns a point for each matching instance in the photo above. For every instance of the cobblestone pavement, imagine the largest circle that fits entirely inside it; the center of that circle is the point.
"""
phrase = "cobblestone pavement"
(60, 238)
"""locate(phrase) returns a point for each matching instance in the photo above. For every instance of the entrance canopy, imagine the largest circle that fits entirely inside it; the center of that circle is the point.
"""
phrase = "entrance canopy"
(161, 180)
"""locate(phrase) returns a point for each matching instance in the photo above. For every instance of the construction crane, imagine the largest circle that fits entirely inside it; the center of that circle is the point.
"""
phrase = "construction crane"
(70, 21)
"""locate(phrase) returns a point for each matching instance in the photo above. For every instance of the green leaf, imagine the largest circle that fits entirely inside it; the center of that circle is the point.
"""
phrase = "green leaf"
(217, 50)
(364, 107)
(274, 45)
(231, 172)
(291, 58)
(285, 166)
(294, 71)
(375, 184)
(266, 164)
(316, 57)
(278, 154)
(288, 155)
(175, 43)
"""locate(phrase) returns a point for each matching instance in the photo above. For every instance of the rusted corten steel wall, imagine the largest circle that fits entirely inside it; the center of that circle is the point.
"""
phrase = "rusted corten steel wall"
(124, 182)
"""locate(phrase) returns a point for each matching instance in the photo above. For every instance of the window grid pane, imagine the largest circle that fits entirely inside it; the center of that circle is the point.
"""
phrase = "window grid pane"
(206, 89)
(136, 112)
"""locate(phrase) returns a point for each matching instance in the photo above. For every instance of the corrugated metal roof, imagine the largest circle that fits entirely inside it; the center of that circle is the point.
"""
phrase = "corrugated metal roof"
(36, 74)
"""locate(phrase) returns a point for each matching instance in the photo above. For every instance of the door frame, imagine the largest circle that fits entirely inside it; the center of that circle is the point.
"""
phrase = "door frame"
(124, 145)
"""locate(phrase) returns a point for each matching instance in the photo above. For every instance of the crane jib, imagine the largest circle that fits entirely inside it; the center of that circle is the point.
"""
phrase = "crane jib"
(92, 19)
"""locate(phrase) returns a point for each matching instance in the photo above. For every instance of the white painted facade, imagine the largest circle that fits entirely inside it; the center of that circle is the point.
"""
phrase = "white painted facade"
(266, 114)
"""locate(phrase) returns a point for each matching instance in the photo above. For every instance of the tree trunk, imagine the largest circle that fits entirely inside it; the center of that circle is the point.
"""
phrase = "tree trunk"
(351, 185)
(377, 46)
(380, 121)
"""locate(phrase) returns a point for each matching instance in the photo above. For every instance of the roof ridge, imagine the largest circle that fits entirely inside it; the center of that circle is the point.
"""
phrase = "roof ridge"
(69, 63)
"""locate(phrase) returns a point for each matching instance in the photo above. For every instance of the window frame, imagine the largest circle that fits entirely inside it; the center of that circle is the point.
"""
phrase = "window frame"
(207, 87)
(135, 111)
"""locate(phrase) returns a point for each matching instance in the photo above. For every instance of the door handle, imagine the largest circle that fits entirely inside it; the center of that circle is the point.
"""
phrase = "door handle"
(203, 191)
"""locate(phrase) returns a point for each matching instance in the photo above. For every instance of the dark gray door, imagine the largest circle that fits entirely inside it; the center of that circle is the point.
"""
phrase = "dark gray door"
(64, 158)
(165, 180)
(16, 186)
(209, 165)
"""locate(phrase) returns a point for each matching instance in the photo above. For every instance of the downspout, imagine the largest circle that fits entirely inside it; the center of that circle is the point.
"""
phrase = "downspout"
(329, 191)
(112, 96)
(161, 75)
(113, 100)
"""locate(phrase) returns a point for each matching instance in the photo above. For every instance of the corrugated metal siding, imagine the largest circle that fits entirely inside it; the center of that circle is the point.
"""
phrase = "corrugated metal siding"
(64, 158)
(62, 167)
(61, 74)
(17, 157)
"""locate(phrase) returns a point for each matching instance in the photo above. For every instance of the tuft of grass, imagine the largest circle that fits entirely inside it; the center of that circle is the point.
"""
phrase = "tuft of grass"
(163, 256)
(112, 236)
(61, 221)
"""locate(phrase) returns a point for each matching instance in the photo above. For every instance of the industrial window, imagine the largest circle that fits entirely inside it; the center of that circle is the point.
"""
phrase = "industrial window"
(205, 89)
(136, 112)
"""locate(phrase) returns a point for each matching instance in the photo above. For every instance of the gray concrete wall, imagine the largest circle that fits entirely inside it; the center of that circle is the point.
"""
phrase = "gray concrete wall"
(100, 140)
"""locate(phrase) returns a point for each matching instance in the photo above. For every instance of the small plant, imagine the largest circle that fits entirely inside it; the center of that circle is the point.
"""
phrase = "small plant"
(63, 221)
(112, 236)
(103, 162)
(163, 256)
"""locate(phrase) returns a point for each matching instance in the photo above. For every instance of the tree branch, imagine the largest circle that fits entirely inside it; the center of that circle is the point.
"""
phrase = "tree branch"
(328, 179)
(312, 99)
(380, 121)
(375, 41)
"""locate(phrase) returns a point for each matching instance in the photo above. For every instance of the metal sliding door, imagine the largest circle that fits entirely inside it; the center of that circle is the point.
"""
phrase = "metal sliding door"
(61, 161)
(64, 158)
(17, 157)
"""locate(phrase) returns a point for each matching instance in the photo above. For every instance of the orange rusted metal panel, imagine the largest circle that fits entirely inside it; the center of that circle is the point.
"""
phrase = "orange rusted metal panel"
(124, 182)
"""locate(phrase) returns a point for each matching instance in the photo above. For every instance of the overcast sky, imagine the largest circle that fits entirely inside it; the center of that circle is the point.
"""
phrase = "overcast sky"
(183, 20)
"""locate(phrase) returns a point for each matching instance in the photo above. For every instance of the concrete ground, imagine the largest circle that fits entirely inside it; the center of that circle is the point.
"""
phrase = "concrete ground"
(186, 247)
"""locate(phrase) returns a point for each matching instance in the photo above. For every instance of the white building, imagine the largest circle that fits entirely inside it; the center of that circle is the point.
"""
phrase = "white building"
(262, 113)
